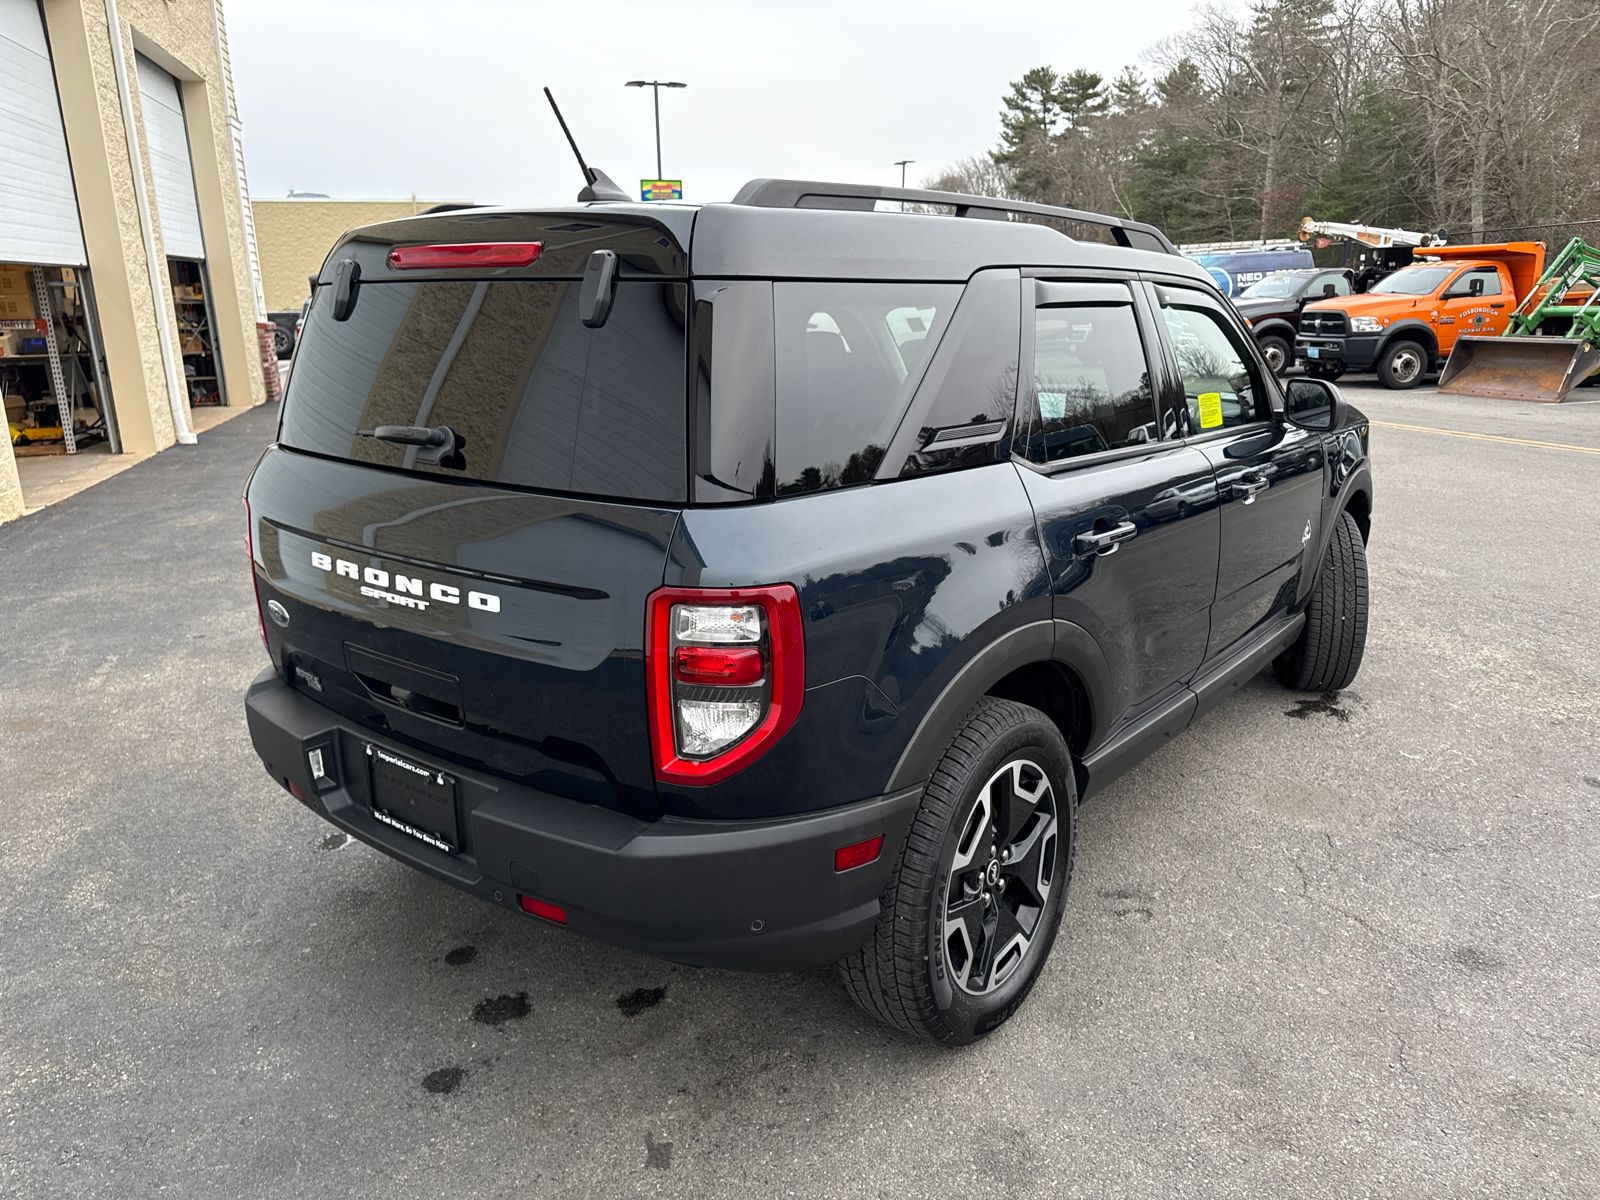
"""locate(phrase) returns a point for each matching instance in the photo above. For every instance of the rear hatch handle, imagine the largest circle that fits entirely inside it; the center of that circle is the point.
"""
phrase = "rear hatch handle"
(437, 445)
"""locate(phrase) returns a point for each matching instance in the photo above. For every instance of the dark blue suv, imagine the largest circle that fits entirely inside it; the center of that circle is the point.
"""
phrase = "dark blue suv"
(764, 584)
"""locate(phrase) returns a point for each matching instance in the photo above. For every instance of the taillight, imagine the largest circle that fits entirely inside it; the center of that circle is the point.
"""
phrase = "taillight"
(255, 587)
(726, 677)
(465, 254)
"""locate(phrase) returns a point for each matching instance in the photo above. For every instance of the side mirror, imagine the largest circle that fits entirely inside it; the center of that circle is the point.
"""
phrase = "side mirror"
(1475, 287)
(346, 288)
(1313, 404)
(1329, 291)
(599, 288)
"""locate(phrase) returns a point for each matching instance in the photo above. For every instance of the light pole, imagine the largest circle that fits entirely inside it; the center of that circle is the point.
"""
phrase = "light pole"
(656, 85)
(902, 165)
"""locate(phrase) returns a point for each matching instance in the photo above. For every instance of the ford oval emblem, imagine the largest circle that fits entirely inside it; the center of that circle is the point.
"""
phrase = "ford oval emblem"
(278, 613)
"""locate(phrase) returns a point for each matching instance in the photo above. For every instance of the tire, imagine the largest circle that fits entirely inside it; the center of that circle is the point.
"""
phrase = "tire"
(1402, 365)
(1277, 352)
(282, 340)
(1320, 371)
(1328, 653)
(930, 966)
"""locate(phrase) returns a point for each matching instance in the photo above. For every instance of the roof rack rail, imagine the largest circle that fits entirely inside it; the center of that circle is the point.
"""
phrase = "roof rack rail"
(863, 197)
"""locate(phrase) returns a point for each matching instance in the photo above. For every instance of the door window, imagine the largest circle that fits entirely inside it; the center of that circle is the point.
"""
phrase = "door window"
(1221, 388)
(1462, 286)
(1091, 382)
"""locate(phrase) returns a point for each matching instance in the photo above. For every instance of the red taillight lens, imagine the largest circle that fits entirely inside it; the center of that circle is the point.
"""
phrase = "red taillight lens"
(848, 857)
(255, 587)
(725, 673)
(541, 908)
(465, 254)
(727, 667)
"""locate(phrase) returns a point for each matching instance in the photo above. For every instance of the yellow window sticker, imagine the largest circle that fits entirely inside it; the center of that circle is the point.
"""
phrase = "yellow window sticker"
(1210, 409)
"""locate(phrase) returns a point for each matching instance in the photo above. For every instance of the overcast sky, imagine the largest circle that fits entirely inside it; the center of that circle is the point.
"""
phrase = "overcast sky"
(380, 99)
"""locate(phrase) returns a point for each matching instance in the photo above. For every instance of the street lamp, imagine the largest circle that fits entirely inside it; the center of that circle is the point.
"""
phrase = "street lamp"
(656, 85)
(902, 165)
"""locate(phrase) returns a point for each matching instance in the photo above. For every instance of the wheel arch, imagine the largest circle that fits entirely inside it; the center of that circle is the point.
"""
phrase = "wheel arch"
(1274, 327)
(1054, 666)
(1409, 330)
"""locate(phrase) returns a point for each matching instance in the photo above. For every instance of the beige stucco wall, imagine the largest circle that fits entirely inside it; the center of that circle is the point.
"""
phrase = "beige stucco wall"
(10, 485)
(294, 236)
(180, 36)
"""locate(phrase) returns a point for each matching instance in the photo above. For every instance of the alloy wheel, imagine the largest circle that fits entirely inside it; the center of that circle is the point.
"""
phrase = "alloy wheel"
(1000, 875)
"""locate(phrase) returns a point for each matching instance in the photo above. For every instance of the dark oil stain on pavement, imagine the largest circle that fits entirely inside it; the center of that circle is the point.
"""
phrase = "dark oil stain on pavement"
(1592, 780)
(461, 956)
(443, 1081)
(1325, 705)
(334, 841)
(1479, 962)
(657, 1154)
(502, 1009)
(635, 1002)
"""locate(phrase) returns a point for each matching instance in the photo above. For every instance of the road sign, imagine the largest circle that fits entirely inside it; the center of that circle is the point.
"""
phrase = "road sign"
(661, 189)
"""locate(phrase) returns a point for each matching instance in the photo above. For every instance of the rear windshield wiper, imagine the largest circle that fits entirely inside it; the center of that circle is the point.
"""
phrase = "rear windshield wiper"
(437, 445)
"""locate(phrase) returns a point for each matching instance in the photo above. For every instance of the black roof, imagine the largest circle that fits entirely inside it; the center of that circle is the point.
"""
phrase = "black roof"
(797, 229)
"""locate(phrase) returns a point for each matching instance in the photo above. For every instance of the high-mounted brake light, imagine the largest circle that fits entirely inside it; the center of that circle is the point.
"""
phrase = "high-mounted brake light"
(465, 254)
(725, 672)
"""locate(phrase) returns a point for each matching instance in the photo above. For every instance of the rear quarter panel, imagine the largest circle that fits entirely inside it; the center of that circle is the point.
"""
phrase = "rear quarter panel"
(900, 585)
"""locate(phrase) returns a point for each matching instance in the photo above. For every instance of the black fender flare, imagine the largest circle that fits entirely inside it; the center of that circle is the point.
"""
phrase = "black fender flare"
(1278, 327)
(1037, 641)
(1409, 330)
(1357, 483)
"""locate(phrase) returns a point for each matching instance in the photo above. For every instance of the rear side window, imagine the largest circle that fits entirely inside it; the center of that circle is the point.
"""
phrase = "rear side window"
(540, 400)
(848, 356)
(1091, 380)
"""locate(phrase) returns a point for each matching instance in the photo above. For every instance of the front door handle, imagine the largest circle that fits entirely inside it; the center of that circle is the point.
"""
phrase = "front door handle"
(1105, 541)
(1248, 487)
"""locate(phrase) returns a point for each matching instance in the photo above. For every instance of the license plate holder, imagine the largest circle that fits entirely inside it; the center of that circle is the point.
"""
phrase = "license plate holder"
(417, 800)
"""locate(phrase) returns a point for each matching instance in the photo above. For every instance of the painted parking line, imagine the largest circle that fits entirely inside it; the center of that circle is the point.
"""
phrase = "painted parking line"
(1488, 437)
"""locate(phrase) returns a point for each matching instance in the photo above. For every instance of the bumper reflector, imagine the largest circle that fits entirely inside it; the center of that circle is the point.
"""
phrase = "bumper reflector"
(549, 912)
(849, 857)
(295, 790)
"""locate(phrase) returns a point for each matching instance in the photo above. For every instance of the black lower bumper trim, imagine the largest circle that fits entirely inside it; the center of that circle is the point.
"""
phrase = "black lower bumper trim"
(757, 895)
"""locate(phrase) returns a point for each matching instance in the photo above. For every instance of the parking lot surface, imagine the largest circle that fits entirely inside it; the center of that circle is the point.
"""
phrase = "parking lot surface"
(1344, 946)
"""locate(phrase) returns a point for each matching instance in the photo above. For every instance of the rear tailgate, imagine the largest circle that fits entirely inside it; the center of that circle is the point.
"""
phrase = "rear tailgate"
(487, 610)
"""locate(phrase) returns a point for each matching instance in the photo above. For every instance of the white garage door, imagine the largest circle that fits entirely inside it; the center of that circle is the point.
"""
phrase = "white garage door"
(169, 161)
(38, 208)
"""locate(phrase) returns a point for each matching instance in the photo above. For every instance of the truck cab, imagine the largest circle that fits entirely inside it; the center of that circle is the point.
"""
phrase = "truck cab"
(1407, 323)
(1271, 307)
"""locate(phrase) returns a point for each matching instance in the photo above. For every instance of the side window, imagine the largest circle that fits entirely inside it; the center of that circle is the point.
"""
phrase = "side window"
(1341, 285)
(848, 357)
(1091, 381)
(1490, 281)
(1220, 385)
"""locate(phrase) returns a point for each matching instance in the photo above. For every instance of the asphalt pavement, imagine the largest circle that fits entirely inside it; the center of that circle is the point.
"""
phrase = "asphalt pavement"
(1322, 947)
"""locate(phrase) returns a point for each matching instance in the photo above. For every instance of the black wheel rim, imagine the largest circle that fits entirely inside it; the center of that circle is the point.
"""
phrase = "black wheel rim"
(1000, 876)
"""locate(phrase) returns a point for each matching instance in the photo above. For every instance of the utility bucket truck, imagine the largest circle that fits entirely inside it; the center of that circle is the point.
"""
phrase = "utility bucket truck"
(1550, 345)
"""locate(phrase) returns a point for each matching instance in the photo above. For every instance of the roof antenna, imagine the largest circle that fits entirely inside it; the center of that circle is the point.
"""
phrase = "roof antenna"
(597, 184)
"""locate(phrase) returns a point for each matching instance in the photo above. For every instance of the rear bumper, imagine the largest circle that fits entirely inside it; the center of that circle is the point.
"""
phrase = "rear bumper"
(758, 895)
(1352, 352)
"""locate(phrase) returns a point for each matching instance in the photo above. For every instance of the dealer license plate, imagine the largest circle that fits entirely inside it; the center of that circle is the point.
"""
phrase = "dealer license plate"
(1313, 352)
(418, 800)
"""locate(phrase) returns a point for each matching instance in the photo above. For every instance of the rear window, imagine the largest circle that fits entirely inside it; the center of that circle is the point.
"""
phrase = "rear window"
(541, 400)
(849, 356)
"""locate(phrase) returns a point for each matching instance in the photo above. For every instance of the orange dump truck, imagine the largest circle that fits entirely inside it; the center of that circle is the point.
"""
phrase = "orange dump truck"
(1406, 324)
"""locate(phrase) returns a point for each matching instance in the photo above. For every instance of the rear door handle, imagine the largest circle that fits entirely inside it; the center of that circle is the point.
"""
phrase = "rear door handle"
(1248, 487)
(1105, 542)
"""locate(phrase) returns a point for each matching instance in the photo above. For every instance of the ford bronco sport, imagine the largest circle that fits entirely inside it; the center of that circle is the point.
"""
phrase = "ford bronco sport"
(764, 584)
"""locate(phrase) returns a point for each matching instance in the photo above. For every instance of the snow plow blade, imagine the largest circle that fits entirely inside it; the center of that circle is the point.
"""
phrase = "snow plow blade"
(1542, 369)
